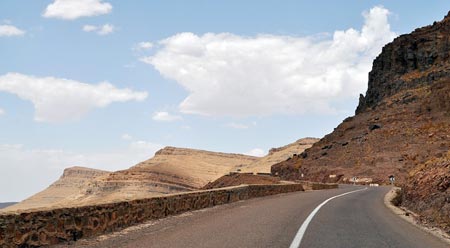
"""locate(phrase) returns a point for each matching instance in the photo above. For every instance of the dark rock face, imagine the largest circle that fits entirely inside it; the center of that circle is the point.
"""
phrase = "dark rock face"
(410, 61)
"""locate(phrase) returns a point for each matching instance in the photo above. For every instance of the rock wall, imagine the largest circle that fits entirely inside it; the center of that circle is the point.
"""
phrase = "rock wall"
(410, 61)
(33, 229)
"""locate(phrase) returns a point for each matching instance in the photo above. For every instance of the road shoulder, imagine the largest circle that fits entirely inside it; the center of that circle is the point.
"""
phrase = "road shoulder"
(411, 217)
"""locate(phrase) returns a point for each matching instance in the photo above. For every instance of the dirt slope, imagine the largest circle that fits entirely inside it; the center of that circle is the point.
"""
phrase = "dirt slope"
(277, 155)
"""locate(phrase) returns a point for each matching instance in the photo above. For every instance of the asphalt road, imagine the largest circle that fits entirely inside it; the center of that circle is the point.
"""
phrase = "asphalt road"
(359, 219)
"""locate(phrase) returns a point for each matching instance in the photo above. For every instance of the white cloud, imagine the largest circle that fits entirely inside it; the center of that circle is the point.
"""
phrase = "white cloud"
(89, 28)
(38, 168)
(237, 125)
(59, 99)
(100, 30)
(2, 112)
(232, 75)
(10, 30)
(126, 136)
(73, 9)
(165, 116)
(145, 45)
(257, 152)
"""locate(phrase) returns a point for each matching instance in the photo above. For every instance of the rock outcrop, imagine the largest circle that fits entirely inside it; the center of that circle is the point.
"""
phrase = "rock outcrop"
(401, 123)
(410, 61)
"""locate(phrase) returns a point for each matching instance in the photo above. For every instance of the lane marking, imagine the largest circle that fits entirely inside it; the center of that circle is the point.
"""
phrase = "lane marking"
(298, 237)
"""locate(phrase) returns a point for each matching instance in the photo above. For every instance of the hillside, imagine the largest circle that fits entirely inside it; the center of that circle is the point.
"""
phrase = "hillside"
(171, 170)
(279, 154)
(402, 122)
(67, 188)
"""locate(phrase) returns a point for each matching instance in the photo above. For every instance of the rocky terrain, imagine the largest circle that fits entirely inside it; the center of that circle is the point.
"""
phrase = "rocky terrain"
(427, 191)
(401, 126)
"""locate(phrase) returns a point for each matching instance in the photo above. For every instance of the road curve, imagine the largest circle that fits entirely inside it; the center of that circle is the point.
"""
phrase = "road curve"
(359, 219)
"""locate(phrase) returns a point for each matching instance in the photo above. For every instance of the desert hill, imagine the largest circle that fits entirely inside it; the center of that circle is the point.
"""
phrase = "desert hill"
(171, 170)
(70, 185)
(401, 126)
(277, 155)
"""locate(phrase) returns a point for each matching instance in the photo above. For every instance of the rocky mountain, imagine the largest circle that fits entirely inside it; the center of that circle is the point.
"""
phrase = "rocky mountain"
(401, 126)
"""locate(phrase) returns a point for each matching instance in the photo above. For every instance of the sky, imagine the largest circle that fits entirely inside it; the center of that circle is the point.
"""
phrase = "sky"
(105, 84)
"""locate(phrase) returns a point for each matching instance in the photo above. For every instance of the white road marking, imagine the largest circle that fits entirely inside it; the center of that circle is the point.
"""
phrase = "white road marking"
(298, 237)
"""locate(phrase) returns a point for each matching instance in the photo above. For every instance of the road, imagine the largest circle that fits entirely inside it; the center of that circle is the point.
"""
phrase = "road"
(358, 219)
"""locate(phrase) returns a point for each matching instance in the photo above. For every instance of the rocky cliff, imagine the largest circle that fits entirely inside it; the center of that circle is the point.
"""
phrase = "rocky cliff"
(401, 124)
(410, 61)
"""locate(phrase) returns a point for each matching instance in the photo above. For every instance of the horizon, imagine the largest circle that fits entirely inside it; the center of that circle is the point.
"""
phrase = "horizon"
(108, 85)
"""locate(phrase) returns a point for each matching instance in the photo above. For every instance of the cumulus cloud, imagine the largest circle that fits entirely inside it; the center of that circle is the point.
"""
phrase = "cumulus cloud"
(10, 30)
(257, 152)
(59, 99)
(38, 168)
(100, 30)
(73, 9)
(2, 112)
(231, 75)
(165, 116)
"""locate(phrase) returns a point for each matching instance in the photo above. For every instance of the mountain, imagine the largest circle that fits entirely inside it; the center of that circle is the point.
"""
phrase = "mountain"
(65, 190)
(171, 170)
(279, 154)
(401, 126)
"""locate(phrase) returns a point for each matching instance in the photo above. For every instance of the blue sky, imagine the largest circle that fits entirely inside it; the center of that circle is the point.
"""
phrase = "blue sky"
(105, 84)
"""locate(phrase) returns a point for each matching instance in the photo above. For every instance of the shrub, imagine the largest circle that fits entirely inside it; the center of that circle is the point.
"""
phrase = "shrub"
(398, 198)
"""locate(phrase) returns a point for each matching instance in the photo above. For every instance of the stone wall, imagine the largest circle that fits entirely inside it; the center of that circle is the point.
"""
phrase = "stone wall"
(38, 228)
(318, 186)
